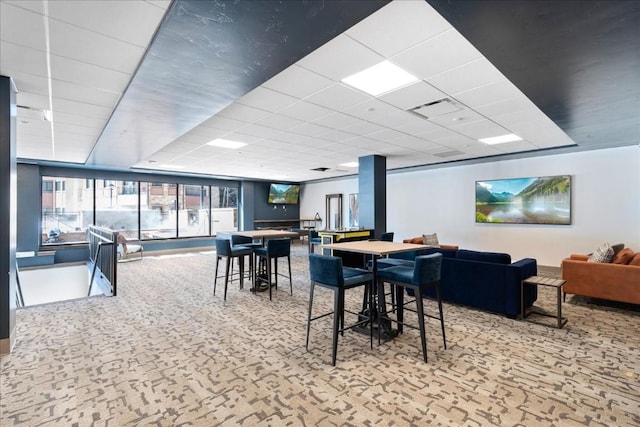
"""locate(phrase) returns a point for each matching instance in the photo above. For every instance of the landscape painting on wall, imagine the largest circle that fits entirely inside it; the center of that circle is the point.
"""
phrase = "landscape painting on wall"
(538, 200)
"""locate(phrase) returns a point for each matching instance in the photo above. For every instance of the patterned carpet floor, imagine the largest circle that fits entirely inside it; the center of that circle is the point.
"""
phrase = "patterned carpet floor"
(166, 352)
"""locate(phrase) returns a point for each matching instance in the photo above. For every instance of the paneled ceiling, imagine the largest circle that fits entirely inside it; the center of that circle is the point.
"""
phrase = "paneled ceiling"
(145, 85)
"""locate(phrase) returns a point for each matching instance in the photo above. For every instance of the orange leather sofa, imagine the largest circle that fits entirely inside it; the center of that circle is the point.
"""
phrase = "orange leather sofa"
(615, 282)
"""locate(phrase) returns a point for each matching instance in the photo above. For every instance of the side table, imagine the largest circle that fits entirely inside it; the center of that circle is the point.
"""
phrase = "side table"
(544, 281)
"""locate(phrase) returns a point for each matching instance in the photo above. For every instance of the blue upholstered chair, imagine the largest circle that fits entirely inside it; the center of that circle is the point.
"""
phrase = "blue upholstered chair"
(224, 250)
(314, 239)
(276, 248)
(238, 242)
(328, 272)
(387, 237)
(423, 274)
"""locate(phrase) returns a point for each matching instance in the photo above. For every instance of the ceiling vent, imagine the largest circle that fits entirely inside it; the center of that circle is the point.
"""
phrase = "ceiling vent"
(448, 154)
(320, 169)
(436, 108)
(34, 114)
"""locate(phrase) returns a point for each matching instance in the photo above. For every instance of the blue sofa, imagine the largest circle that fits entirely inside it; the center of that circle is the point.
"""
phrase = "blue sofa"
(485, 280)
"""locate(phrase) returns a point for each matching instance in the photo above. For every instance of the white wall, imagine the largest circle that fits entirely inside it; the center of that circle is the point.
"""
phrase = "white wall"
(605, 204)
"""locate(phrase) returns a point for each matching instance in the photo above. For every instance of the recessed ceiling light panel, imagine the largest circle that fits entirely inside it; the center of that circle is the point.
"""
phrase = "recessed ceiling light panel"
(225, 143)
(381, 78)
(501, 139)
(350, 164)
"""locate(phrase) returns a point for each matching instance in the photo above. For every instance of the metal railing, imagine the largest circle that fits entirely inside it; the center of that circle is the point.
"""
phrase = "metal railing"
(103, 254)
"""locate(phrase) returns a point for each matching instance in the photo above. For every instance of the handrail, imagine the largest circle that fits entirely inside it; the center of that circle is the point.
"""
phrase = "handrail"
(95, 263)
(103, 259)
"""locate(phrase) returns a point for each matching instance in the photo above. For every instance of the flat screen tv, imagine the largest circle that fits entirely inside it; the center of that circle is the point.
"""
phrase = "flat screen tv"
(536, 200)
(283, 194)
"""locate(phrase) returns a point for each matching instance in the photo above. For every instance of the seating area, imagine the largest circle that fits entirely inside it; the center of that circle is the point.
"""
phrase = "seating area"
(614, 277)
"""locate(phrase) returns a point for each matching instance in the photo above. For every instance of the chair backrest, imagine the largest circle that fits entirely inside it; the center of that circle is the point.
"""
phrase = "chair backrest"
(240, 240)
(427, 269)
(326, 269)
(279, 247)
(223, 247)
(313, 234)
(387, 237)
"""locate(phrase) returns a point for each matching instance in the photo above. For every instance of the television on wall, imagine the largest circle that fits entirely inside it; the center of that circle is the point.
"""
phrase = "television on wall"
(535, 200)
(283, 194)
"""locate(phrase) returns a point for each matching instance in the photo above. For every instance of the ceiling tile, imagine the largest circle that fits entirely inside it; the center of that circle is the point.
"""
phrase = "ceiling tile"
(489, 94)
(266, 99)
(134, 22)
(243, 113)
(22, 27)
(469, 76)
(278, 121)
(298, 82)
(398, 26)
(337, 97)
(354, 57)
(305, 111)
(450, 48)
(412, 96)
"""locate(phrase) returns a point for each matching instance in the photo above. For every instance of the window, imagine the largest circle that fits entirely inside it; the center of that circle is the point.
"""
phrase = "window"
(138, 210)
(67, 211)
(224, 209)
(117, 207)
(193, 210)
(158, 218)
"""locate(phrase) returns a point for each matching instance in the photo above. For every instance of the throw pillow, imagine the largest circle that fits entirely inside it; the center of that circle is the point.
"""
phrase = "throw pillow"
(623, 257)
(635, 260)
(617, 248)
(430, 240)
(603, 254)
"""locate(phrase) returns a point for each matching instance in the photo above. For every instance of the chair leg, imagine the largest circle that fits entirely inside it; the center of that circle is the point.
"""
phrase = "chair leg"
(338, 296)
(444, 339)
(420, 310)
(269, 276)
(368, 290)
(311, 289)
(241, 266)
(399, 293)
(226, 277)
(275, 264)
(290, 281)
(215, 277)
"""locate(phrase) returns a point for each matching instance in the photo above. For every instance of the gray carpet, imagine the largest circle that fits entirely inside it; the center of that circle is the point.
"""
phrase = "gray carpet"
(166, 352)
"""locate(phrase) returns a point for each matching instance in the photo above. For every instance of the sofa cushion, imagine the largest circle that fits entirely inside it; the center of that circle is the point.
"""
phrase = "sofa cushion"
(603, 254)
(494, 257)
(415, 240)
(635, 260)
(430, 240)
(623, 257)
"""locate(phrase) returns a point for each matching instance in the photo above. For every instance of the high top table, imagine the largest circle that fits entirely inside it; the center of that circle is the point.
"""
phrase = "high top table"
(263, 235)
(377, 249)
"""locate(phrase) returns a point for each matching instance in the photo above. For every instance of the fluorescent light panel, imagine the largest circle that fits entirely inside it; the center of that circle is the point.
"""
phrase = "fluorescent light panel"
(350, 164)
(225, 143)
(501, 139)
(381, 78)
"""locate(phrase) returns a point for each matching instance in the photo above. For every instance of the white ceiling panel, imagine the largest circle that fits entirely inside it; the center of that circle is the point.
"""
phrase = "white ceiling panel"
(338, 97)
(354, 57)
(86, 46)
(87, 95)
(278, 121)
(489, 94)
(266, 99)
(32, 61)
(305, 111)
(482, 129)
(224, 123)
(412, 96)
(31, 84)
(88, 75)
(132, 22)
(450, 49)
(243, 113)
(298, 82)
(385, 31)
(469, 76)
(22, 27)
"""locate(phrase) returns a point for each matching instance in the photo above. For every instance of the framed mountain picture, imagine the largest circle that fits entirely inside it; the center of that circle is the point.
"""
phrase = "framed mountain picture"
(536, 200)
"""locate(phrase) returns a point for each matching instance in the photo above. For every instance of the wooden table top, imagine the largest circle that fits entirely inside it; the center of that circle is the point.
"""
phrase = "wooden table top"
(375, 247)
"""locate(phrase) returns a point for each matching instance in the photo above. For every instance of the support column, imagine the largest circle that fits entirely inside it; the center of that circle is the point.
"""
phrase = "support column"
(372, 193)
(8, 206)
